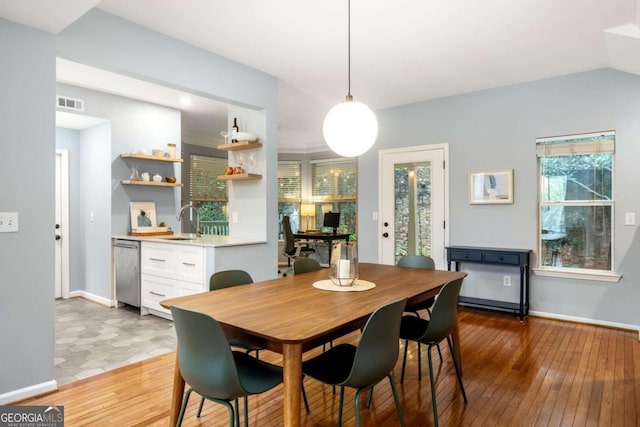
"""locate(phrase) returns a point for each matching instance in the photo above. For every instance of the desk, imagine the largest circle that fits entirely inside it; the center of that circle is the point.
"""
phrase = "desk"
(289, 316)
(325, 237)
(501, 256)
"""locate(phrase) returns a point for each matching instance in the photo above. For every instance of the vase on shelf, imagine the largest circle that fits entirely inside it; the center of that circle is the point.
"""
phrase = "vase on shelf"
(135, 175)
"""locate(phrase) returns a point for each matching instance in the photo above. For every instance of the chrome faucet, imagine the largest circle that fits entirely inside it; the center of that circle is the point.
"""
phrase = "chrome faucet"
(197, 211)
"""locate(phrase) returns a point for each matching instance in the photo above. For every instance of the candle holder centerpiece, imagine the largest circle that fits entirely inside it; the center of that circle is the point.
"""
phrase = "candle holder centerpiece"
(344, 264)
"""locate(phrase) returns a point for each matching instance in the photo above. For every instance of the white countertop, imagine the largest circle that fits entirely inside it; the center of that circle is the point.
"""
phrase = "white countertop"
(191, 240)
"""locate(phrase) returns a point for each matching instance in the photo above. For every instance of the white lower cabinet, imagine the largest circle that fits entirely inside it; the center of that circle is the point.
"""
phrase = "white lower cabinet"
(169, 271)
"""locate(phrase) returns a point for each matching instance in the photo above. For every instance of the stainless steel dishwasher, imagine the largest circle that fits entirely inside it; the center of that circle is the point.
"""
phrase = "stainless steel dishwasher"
(126, 259)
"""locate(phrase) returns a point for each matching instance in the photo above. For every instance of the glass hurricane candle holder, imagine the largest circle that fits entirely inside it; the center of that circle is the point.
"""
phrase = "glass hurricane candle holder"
(344, 264)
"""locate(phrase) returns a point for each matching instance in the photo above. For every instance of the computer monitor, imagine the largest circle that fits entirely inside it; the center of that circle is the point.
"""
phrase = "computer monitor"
(331, 220)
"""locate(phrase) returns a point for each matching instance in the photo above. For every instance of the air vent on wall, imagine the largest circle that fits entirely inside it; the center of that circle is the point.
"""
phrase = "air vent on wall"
(70, 103)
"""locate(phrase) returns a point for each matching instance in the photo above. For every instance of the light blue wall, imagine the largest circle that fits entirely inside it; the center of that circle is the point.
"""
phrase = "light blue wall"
(27, 77)
(95, 209)
(132, 125)
(496, 129)
(27, 132)
(105, 41)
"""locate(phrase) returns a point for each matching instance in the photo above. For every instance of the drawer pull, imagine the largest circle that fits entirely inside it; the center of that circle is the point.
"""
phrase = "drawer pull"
(190, 264)
(157, 259)
(157, 294)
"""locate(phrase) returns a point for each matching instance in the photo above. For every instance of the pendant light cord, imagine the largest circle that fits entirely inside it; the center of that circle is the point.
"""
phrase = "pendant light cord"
(349, 97)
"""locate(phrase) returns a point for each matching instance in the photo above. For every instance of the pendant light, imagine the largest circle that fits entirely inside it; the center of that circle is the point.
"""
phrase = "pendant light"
(350, 128)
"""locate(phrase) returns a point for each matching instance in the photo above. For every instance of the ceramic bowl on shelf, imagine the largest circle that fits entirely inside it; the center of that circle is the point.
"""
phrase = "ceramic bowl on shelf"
(171, 179)
(158, 153)
(245, 136)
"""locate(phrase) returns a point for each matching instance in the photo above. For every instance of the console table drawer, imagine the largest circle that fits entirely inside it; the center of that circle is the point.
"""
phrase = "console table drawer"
(501, 258)
(472, 256)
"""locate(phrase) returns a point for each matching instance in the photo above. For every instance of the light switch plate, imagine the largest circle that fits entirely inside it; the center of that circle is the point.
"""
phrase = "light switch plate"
(630, 218)
(8, 222)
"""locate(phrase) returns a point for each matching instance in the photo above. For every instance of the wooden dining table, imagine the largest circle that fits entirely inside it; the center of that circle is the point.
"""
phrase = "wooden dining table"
(289, 316)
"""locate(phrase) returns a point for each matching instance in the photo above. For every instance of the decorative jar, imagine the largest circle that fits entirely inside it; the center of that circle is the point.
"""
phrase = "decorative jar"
(344, 264)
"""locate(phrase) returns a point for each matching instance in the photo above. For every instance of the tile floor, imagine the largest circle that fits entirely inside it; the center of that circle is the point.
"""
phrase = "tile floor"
(91, 338)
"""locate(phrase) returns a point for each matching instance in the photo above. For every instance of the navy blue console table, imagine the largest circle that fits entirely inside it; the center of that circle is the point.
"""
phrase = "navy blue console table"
(499, 256)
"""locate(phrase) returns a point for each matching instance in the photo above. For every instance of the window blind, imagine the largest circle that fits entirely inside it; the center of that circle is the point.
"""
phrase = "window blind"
(289, 181)
(334, 179)
(203, 178)
(570, 145)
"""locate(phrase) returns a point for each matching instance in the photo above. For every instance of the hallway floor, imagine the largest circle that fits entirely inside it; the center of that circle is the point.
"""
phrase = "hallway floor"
(91, 339)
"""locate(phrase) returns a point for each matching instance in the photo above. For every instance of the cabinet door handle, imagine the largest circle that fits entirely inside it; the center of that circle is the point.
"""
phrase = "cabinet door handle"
(190, 264)
(157, 294)
(157, 259)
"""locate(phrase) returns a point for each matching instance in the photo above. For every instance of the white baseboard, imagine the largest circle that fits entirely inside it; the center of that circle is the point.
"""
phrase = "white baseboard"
(27, 392)
(587, 321)
(95, 298)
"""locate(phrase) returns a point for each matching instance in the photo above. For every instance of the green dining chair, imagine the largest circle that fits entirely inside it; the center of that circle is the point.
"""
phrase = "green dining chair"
(418, 261)
(226, 279)
(211, 369)
(361, 367)
(439, 327)
(427, 263)
(306, 265)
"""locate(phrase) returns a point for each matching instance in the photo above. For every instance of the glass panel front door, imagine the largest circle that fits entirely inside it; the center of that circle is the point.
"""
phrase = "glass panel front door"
(412, 219)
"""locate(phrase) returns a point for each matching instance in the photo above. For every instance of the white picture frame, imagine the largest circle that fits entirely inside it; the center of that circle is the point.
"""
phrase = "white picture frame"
(491, 187)
(143, 217)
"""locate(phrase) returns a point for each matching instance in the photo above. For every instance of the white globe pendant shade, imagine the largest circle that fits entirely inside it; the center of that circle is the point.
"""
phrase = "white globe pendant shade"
(350, 128)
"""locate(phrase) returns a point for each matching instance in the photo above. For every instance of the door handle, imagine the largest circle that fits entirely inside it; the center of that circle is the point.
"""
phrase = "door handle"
(385, 234)
(58, 237)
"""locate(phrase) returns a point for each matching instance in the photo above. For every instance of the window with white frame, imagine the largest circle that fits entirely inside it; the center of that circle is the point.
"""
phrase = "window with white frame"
(289, 193)
(576, 202)
(334, 187)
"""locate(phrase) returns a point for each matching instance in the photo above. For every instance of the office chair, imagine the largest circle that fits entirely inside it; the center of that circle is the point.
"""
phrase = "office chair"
(292, 249)
(440, 326)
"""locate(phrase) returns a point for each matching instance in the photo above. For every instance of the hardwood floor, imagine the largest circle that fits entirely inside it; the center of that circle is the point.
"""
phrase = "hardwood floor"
(540, 372)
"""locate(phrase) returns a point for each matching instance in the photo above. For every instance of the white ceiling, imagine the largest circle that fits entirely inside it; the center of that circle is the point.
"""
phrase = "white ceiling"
(403, 51)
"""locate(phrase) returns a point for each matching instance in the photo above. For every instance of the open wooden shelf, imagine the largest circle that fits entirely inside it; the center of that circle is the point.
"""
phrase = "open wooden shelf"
(147, 157)
(240, 145)
(150, 183)
(240, 177)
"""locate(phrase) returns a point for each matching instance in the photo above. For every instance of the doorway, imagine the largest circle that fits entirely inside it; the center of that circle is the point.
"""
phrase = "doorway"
(413, 203)
(62, 224)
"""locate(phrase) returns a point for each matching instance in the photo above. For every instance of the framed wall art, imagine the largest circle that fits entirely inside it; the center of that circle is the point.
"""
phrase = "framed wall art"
(143, 216)
(491, 187)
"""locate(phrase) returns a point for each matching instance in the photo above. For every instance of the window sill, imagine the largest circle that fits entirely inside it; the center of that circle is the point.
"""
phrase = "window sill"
(596, 275)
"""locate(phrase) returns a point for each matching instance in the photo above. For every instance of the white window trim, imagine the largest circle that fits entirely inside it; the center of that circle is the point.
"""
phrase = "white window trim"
(582, 273)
